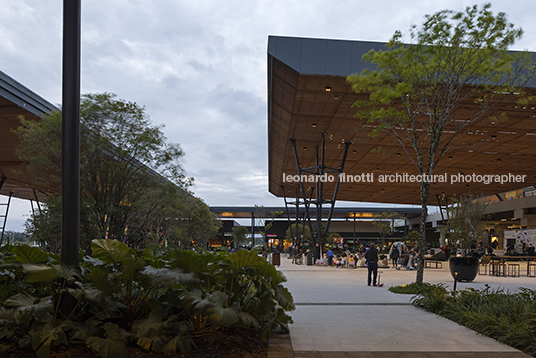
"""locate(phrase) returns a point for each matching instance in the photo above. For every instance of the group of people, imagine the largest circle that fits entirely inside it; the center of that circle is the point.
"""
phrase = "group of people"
(370, 254)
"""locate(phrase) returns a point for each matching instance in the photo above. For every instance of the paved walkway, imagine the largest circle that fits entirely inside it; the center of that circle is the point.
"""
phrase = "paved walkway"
(338, 315)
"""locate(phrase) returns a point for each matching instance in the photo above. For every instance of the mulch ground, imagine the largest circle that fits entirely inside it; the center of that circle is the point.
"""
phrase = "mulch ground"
(229, 343)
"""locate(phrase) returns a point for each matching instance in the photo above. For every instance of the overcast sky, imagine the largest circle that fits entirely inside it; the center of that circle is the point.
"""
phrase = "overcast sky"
(199, 68)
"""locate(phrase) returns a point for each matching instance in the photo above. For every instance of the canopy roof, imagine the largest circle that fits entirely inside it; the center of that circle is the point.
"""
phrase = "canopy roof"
(308, 95)
(15, 101)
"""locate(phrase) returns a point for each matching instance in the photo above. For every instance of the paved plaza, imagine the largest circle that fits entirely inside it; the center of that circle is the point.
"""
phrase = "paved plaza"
(338, 315)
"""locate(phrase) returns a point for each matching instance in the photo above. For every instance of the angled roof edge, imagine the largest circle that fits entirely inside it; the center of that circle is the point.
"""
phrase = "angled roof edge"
(23, 97)
(322, 56)
(329, 57)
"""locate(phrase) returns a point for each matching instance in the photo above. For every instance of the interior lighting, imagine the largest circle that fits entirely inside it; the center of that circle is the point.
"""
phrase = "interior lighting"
(328, 88)
(493, 137)
(304, 148)
(499, 160)
(313, 125)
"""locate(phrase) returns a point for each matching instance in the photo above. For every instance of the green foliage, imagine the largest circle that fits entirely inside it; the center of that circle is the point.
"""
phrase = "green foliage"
(122, 197)
(157, 299)
(412, 237)
(239, 234)
(508, 318)
(415, 289)
(303, 233)
(418, 94)
(383, 222)
(464, 226)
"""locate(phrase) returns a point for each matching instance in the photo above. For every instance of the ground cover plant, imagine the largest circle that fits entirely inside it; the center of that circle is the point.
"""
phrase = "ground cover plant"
(509, 318)
(160, 300)
(413, 288)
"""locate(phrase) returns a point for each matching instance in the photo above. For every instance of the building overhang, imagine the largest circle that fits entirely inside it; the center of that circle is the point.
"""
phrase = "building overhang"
(17, 101)
(308, 95)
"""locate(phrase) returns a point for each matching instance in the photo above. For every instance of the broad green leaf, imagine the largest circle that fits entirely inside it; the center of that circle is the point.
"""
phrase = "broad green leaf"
(284, 298)
(218, 314)
(113, 346)
(181, 343)
(111, 251)
(168, 276)
(107, 348)
(154, 343)
(30, 255)
(248, 320)
(81, 331)
(245, 259)
(4, 348)
(21, 299)
(189, 261)
(104, 281)
(41, 273)
(43, 336)
(150, 327)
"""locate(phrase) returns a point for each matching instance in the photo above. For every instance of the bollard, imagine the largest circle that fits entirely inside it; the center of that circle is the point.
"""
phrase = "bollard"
(455, 280)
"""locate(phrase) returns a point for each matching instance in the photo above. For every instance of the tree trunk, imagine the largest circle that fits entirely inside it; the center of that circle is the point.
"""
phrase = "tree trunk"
(421, 246)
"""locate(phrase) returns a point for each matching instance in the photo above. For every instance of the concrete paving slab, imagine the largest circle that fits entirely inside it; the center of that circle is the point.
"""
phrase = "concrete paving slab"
(338, 315)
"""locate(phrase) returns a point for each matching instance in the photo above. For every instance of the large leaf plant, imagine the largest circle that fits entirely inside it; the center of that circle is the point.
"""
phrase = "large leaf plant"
(158, 299)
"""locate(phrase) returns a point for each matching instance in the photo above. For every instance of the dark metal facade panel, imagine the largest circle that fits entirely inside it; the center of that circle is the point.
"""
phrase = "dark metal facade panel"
(339, 58)
(23, 97)
(286, 50)
(321, 56)
(313, 56)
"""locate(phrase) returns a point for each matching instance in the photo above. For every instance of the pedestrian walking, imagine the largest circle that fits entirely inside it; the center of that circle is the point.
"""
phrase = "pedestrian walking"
(371, 257)
(329, 255)
(395, 254)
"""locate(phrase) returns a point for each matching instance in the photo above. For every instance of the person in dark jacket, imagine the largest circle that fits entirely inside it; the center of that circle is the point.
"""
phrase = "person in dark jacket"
(395, 254)
(371, 257)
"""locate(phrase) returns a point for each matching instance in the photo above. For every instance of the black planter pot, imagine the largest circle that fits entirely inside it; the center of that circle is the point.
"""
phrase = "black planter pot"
(464, 268)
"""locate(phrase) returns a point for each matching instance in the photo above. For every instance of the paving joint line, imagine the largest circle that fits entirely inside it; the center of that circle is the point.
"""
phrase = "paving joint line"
(353, 304)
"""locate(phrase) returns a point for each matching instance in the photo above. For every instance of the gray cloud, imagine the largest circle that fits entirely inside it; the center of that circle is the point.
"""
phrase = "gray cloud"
(199, 67)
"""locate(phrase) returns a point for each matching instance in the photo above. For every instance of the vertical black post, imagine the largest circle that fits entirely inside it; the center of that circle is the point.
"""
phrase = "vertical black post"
(298, 239)
(253, 231)
(37, 201)
(355, 244)
(70, 216)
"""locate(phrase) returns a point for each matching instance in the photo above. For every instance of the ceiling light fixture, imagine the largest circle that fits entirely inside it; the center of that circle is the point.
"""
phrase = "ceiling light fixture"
(493, 137)
(328, 88)
(313, 125)
(336, 96)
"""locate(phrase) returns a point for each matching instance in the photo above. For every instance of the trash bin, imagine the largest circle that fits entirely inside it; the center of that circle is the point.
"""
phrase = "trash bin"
(309, 259)
(276, 259)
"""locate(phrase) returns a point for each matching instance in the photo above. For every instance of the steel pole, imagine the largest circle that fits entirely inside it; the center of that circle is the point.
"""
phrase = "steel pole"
(70, 215)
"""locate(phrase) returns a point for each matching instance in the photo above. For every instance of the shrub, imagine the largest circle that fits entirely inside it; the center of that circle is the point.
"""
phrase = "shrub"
(158, 299)
(508, 318)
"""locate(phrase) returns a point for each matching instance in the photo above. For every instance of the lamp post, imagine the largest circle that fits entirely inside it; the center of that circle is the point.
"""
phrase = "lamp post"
(70, 181)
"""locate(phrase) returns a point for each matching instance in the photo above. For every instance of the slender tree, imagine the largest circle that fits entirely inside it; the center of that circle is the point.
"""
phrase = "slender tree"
(383, 222)
(239, 235)
(133, 186)
(465, 225)
(418, 92)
